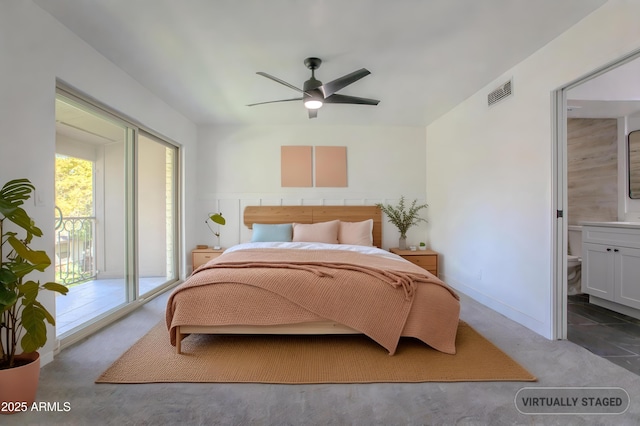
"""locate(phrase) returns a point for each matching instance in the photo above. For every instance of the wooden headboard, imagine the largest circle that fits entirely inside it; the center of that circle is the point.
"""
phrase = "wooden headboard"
(314, 214)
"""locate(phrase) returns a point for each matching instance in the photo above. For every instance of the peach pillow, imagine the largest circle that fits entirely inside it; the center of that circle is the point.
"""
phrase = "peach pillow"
(357, 233)
(322, 232)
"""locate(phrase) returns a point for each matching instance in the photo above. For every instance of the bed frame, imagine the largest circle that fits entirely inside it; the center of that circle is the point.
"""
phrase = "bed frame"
(315, 214)
(289, 214)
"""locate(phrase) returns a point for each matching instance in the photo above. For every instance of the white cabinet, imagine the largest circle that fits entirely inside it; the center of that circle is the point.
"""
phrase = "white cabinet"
(627, 268)
(597, 270)
(611, 264)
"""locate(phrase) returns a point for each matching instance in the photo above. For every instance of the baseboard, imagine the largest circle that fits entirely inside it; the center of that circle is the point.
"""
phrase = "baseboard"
(500, 307)
(616, 307)
(46, 358)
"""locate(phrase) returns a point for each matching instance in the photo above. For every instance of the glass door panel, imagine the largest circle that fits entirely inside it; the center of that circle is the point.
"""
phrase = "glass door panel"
(91, 255)
(157, 213)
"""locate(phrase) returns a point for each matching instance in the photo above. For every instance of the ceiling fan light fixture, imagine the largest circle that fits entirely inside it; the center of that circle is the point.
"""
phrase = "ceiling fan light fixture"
(312, 103)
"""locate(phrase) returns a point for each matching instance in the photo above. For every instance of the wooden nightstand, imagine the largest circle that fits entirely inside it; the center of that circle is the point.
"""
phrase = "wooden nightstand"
(202, 256)
(427, 259)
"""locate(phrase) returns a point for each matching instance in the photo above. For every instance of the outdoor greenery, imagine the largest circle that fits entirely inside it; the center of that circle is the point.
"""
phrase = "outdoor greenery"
(401, 218)
(74, 186)
(21, 314)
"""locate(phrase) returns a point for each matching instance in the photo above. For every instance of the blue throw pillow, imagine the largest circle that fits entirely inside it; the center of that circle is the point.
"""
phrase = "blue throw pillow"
(270, 233)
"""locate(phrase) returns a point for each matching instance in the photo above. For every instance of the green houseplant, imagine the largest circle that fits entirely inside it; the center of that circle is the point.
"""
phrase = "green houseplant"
(402, 218)
(22, 316)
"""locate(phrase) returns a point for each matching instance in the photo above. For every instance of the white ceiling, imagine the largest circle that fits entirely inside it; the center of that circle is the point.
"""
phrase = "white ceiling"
(201, 56)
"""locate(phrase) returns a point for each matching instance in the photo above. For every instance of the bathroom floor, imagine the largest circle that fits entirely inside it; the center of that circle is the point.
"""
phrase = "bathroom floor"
(609, 334)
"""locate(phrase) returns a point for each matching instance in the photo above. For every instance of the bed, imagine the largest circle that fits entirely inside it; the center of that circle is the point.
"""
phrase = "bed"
(328, 275)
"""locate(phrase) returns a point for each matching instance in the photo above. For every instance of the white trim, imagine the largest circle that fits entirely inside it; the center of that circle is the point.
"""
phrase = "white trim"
(559, 231)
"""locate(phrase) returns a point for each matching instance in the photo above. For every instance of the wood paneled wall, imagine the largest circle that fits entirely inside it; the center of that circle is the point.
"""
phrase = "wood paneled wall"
(592, 173)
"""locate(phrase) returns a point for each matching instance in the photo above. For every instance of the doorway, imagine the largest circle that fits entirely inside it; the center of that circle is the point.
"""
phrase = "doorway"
(602, 99)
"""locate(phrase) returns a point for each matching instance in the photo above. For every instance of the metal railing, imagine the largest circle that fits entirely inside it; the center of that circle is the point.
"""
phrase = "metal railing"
(75, 249)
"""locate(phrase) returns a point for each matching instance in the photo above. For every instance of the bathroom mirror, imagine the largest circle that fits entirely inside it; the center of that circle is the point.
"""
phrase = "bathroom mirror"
(634, 164)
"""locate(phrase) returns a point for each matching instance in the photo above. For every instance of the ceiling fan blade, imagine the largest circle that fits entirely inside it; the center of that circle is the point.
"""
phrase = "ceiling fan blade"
(271, 102)
(344, 99)
(332, 87)
(277, 80)
(313, 113)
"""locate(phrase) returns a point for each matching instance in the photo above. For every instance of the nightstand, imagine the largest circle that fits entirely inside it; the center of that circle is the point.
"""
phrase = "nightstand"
(202, 256)
(427, 259)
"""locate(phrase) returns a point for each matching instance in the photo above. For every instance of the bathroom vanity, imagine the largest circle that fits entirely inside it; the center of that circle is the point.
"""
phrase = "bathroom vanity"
(611, 265)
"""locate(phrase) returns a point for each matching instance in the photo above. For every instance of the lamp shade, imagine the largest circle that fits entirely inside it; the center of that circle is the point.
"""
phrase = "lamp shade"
(217, 218)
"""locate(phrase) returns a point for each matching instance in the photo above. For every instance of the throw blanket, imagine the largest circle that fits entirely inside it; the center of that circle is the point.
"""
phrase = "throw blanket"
(370, 294)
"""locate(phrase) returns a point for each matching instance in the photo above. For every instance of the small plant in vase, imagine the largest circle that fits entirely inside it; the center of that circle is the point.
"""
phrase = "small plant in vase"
(422, 246)
(403, 219)
(218, 219)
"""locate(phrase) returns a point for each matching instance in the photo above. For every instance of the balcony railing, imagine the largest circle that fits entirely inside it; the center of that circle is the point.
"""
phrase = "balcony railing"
(75, 249)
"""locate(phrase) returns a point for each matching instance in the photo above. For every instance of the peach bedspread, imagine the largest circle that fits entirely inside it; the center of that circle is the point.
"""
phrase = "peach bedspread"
(380, 297)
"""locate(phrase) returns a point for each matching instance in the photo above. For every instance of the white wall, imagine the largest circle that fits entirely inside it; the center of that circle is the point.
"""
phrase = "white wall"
(489, 171)
(35, 50)
(240, 165)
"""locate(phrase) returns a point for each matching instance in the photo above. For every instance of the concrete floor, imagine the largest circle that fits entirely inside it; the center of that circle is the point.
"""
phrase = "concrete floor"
(70, 378)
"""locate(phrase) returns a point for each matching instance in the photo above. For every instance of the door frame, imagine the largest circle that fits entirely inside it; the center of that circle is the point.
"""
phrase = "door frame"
(559, 238)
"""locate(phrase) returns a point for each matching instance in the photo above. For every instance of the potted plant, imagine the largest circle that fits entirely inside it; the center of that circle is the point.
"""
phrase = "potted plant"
(403, 219)
(219, 220)
(22, 316)
(422, 246)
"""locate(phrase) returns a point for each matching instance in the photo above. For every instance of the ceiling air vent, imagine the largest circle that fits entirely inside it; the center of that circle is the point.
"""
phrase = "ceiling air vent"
(499, 94)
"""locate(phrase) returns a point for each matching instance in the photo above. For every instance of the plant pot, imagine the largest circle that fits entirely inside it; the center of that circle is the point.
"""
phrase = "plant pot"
(18, 385)
(402, 243)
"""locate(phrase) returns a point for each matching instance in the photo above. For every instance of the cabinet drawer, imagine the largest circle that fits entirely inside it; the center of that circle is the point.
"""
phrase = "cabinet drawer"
(202, 258)
(624, 237)
(430, 263)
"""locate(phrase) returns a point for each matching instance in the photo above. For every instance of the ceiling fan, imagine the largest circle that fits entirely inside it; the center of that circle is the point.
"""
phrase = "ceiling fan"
(315, 94)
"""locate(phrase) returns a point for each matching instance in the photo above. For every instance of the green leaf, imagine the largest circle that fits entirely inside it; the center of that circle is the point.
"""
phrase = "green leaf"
(6, 208)
(7, 297)
(46, 313)
(17, 191)
(38, 258)
(29, 292)
(59, 288)
(7, 276)
(20, 269)
(35, 335)
(22, 219)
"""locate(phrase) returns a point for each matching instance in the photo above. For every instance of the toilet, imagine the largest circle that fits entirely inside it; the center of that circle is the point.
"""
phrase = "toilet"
(574, 261)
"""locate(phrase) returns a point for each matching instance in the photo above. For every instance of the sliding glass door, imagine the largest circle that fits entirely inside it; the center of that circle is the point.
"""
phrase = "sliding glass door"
(116, 214)
(157, 207)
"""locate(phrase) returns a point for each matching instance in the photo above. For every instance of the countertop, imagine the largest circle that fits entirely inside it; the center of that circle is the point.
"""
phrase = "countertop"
(634, 225)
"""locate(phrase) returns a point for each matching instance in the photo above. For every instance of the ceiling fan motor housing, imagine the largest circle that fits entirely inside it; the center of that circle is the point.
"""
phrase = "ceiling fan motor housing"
(313, 63)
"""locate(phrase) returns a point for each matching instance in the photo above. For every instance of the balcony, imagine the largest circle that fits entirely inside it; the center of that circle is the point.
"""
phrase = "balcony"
(75, 249)
(90, 295)
(93, 298)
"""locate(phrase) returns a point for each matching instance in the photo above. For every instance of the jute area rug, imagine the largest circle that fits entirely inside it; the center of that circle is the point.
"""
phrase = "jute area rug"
(309, 359)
